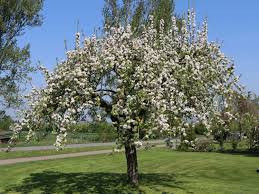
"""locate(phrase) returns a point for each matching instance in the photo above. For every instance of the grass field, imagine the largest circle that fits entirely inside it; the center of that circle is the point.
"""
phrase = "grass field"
(72, 138)
(161, 171)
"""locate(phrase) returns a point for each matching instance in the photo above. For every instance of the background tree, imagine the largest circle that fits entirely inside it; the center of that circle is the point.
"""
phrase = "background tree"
(5, 121)
(15, 16)
(247, 117)
(143, 83)
(136, 13)
(221, 128)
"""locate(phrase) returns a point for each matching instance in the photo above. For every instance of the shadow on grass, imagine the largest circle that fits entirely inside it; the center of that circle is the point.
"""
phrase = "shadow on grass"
(58, 182)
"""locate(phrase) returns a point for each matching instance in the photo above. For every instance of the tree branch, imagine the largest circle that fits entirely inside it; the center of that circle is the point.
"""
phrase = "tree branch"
(106, 106)
(106, 90)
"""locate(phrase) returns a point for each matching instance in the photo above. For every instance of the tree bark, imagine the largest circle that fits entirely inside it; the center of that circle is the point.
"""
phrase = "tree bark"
(132, 164)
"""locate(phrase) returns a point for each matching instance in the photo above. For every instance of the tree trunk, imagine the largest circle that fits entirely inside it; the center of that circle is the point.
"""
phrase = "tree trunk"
(221, 144)
(132, 164)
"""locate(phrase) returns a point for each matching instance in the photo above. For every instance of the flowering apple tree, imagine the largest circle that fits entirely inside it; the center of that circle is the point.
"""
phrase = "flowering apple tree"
(158, 80)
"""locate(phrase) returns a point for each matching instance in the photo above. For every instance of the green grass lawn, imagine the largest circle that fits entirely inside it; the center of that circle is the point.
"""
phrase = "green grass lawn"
(20, 154)
(72, 138)
(161, 171)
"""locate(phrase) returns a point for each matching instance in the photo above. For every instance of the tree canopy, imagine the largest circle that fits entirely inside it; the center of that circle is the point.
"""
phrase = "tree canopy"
(158, 81)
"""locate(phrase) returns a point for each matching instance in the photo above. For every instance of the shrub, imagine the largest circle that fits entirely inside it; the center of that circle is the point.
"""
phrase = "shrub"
(221, 135)
(5, 122)
(183, 147)
(234, 139)
(200, 129)
(204, 145)
(234, 145)
(171, 143)
(187, 140)
(101, 127)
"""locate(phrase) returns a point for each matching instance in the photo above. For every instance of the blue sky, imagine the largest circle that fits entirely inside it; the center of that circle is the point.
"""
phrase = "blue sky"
(233, 22)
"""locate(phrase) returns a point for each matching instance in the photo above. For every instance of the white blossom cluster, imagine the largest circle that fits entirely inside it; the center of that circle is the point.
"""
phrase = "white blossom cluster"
(158, 80)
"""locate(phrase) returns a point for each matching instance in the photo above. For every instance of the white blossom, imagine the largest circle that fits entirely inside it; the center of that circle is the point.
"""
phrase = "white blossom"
(151, 83)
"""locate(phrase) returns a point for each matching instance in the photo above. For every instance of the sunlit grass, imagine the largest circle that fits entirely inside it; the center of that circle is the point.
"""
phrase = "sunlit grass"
(161, 170)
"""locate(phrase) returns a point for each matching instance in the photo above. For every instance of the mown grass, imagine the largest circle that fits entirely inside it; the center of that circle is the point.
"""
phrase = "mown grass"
(72, 138)
(161, 171)
(20, 154)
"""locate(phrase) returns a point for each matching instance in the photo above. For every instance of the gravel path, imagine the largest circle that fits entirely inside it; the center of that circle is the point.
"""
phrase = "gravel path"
(40, 158)
(59, 156)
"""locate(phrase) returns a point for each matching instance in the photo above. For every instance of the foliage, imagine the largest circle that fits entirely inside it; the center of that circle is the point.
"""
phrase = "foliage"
(5, 121)
(234, 144)
(15, 16)
(222, 122)
(162, 10)
(252, 131)
(136, 13)
(246, 109)
(93, 127)
(204, 145)
(200, 129)
(187, 140)
(220, 135)
(103, 131)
